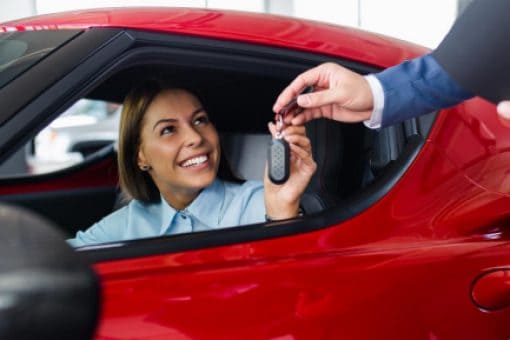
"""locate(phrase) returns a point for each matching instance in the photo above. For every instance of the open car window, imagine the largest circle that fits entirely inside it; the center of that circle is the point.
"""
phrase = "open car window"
(356, 166)
(72, 138)
(81, 131)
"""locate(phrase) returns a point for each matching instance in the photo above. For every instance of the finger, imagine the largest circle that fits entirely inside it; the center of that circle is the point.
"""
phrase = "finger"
(294, 130)
(307, 78)
(306, 116)
(272, 129)
(299, 140)
(338, 113)
(321, 98)
(304, 155)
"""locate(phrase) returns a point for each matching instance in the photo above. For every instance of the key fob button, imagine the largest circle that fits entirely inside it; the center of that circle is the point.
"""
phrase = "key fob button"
(278, 161)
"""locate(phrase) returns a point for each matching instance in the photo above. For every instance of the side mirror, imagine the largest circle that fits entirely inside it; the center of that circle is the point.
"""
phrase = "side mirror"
(46, 290)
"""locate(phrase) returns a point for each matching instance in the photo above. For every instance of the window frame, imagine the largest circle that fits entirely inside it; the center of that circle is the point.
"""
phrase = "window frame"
(129, 47)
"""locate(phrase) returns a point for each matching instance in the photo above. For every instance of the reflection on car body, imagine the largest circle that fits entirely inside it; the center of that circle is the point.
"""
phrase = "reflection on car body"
(400, 222)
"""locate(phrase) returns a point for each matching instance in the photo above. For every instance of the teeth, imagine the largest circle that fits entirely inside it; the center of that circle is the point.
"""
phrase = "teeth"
(195, 161)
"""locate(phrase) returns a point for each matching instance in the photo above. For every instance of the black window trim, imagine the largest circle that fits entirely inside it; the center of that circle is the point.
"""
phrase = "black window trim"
(199, 47)
(57, 76)
(131, 43)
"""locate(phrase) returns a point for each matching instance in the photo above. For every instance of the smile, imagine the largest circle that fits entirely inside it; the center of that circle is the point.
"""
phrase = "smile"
(195, 161)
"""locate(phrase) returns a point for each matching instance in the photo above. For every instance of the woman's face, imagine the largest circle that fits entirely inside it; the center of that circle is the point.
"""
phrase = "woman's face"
(179, 144)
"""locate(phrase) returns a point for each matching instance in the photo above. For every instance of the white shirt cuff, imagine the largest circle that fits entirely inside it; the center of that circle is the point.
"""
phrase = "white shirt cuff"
(378, 94)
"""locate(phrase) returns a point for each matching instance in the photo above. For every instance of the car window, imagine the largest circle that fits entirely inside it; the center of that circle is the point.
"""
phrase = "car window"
(79, 132)
(20, 50)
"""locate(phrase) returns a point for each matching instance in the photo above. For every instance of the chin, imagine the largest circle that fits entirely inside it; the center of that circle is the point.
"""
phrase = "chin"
(202, 182)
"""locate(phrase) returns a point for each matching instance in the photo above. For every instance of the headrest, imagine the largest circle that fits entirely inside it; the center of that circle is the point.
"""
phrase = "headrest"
(247, 153)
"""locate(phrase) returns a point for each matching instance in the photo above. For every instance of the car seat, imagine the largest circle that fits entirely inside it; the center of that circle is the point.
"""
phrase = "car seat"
(247, 153)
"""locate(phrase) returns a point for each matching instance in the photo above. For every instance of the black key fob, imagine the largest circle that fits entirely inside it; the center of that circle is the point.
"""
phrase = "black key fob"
(278, 160)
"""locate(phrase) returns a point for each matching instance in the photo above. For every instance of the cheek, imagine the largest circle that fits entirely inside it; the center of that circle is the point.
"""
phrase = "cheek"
(160, 151)
(214, 139)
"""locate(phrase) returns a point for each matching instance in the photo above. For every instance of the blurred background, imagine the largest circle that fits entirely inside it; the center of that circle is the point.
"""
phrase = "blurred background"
(418, 21)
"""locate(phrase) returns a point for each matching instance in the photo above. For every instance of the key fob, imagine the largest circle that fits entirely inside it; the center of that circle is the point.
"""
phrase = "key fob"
(278, 160)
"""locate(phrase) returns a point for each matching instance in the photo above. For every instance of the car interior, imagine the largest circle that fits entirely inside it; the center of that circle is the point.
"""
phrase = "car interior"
(356, 165)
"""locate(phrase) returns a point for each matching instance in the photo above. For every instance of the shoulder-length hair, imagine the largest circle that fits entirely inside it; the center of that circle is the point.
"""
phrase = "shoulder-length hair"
(134, 182)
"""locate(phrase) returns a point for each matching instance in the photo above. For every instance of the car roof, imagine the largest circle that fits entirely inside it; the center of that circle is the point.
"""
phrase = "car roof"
(264, 29)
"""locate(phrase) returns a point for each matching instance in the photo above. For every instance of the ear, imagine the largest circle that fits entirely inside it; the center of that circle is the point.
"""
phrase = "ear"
(142, 161)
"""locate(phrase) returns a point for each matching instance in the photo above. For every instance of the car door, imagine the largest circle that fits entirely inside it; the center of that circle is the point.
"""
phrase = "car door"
(382, 260)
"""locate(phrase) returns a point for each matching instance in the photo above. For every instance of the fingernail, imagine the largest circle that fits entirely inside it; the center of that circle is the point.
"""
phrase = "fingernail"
(504, 109)
(303, 100)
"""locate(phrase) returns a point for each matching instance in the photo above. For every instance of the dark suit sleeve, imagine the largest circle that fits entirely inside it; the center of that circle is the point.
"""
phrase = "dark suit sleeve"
(416, 87)
(476, 51)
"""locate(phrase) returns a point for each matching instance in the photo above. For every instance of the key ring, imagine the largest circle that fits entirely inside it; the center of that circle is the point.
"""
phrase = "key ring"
(291, 108)
(279, 125)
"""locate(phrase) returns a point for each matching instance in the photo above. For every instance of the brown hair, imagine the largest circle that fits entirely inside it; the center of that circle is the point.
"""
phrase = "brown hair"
(134, 182)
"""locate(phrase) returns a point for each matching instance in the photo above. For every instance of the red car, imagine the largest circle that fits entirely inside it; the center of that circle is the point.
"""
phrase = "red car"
(406, 231)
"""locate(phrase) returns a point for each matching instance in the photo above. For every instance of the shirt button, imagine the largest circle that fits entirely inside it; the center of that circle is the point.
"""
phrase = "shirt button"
(183, 216)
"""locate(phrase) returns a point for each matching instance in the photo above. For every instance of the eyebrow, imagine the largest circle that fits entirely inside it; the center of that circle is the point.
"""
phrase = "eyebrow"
(172, 120)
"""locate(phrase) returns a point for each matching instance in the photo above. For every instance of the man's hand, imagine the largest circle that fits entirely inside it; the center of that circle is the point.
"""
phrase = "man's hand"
(340, 94)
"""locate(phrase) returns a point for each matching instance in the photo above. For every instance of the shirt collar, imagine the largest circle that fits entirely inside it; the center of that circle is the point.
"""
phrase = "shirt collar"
(206, 207)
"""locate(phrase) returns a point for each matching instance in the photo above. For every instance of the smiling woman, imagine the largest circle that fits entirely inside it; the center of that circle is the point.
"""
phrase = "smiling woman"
(169, 162)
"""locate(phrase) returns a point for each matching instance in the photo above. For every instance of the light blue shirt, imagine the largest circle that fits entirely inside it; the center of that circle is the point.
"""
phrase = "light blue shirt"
(221, 205)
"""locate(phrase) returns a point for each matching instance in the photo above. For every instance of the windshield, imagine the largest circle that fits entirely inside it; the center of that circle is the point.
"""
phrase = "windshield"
(21, 50)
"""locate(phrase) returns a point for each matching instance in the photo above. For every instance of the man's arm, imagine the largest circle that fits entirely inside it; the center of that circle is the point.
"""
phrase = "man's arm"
(416, 87)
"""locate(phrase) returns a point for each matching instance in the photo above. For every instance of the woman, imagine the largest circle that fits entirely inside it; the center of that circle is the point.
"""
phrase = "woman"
(169, 163)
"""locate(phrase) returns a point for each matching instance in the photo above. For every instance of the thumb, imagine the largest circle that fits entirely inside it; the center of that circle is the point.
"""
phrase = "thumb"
(320, 98)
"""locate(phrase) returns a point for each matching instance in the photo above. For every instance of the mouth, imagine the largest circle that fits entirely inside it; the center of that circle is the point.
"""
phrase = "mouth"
(195, 161)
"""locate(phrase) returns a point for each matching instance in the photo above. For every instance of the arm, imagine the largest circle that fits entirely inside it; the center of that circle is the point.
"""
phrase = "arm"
(416, 87)
(398, 93)
(108, 229)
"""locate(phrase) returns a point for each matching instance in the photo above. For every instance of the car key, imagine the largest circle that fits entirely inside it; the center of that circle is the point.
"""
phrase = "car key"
(279, 151)
(279, 156)
(292, 107)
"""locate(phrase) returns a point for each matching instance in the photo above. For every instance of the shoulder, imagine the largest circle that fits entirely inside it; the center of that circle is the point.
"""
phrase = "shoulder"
(111, 227)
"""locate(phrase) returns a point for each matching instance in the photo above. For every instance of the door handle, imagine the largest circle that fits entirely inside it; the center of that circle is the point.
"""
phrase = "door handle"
(491, 290)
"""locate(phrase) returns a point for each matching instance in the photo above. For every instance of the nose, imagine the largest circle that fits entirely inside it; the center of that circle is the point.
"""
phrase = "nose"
(193, 137)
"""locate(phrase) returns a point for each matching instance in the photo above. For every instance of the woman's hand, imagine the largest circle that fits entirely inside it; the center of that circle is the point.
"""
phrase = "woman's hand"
(282, 200)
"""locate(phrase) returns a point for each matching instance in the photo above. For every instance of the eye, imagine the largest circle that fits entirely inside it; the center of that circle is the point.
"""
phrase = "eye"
(201, 120)
(167, 130)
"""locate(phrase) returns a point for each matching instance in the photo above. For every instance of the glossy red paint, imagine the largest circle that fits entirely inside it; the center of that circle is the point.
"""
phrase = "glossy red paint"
(103, 174)
(386, 273)
(253, 28)
(491, 291)
(383, 274)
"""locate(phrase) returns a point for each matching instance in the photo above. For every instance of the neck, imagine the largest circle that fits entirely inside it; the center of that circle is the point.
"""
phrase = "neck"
(180, 200)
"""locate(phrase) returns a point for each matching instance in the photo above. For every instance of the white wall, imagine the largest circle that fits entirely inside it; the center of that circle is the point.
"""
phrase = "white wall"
(344, 12)
(424, 22)
(50, 6)
(10, 10)
(241, 5)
